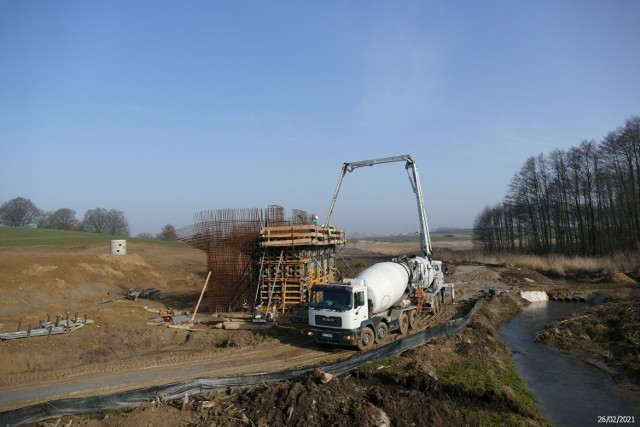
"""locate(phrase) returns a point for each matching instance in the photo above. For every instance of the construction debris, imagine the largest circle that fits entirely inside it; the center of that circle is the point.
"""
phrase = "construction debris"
(134, 294)
(245, 326)
(189, 325)
(48, 328)
(148, 293)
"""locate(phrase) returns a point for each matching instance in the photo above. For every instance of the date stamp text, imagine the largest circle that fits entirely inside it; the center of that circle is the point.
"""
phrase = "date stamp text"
(616, 419)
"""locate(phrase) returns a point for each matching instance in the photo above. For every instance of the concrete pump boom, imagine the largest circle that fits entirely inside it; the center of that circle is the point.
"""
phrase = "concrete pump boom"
(425, 239)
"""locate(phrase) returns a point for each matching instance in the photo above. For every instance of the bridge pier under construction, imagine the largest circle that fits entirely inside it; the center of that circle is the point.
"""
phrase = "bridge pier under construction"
(261, 260)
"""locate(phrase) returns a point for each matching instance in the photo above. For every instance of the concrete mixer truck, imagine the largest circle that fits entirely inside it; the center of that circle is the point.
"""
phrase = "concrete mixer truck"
(384, 298)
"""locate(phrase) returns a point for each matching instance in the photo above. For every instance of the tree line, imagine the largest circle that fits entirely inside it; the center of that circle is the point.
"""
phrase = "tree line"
(22, 212)
(582, 201)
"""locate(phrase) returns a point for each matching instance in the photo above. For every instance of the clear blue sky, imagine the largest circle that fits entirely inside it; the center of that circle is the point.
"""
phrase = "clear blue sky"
(166, 108)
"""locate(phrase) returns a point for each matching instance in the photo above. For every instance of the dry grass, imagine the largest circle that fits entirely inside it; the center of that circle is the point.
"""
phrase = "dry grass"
(557, 265)
(460, 249)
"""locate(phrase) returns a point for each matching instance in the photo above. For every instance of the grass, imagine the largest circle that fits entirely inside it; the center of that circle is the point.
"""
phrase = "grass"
(553, 265)
(457, 246)
(24, 236)
(511, 310)
(374, 367)
(477, 378)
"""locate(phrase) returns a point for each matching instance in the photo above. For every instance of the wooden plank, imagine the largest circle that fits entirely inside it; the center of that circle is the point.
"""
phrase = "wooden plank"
(303, 236)
(273, 228)
(302, 242)
(288, 242)
(290, 235)
(288, 230)
(318, 230)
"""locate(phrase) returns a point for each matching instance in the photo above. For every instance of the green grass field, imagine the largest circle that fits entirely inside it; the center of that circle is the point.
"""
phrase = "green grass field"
(24, 236)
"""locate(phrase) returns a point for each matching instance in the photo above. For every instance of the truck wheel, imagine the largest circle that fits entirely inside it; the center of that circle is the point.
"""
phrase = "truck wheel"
(366, 340)
(413, 319)
(404, 324)
(382, 332)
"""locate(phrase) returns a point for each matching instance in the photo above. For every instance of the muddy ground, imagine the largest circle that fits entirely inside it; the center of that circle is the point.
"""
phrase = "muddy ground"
(467, 379)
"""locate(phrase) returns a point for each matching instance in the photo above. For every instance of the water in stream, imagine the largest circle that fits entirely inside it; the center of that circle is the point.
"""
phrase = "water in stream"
(570, 392)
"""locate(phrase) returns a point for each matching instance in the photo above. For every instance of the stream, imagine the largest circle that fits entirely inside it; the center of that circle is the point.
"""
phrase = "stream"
(569, 391)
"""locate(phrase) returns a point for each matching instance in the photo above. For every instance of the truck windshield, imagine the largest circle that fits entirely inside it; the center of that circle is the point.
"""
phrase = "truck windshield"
(331, 299)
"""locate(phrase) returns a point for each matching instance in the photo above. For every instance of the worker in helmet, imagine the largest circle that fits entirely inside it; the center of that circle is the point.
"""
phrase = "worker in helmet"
(315, 220)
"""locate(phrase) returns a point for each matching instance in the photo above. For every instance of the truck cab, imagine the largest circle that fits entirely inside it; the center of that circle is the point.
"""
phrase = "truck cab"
(337, 312)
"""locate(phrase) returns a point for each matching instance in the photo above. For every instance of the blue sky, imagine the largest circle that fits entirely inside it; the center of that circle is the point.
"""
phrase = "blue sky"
(165, 108)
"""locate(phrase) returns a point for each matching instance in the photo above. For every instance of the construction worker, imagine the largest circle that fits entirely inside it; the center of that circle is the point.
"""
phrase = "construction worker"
(315, 220)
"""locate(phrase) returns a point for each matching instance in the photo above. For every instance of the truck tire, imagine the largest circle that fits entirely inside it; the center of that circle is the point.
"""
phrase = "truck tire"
(404, 324)
(367, 338)
(382, 332)
(413, 319)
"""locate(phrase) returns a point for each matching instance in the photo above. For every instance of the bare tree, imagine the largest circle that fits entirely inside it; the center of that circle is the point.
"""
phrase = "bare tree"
(117, 223)
(62, 219)
(95, 220)
(100, 220)
(168, 233)
(41, 220)
(483, 230)
(19, 212)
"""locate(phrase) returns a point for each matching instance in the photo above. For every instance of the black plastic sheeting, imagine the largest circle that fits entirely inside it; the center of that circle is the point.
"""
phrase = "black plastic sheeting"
(196, 386)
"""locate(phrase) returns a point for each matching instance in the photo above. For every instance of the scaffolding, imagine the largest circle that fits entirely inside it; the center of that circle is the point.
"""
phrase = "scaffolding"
(294, 258)
(260, 259)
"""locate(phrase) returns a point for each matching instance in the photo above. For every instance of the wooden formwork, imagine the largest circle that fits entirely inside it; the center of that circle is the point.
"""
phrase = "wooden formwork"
(301, 235)
(295, 258)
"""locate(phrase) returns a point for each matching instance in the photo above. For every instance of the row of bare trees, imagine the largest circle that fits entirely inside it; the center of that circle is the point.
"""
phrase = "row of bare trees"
(22, 212)
(583, 201)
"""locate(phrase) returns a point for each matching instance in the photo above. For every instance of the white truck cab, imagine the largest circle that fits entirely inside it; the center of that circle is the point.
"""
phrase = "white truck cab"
(337, 312)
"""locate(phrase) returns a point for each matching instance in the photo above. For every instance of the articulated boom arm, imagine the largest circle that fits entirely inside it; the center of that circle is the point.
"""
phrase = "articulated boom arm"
(425, 239)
